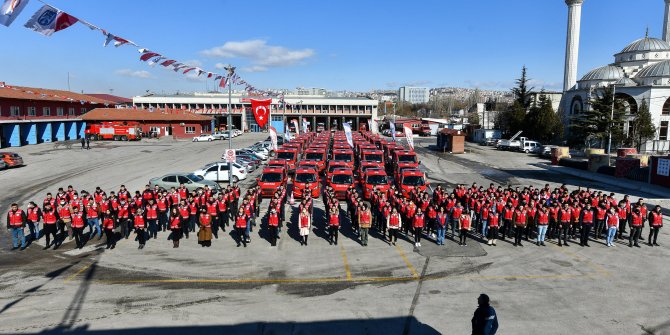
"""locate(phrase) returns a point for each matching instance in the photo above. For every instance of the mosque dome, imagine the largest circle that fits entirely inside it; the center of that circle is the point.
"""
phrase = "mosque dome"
(647, 44)
(660, 69)
(608, 72)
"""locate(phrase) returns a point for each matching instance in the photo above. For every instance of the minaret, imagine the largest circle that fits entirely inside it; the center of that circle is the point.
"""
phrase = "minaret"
(572, 42)
(666, 19)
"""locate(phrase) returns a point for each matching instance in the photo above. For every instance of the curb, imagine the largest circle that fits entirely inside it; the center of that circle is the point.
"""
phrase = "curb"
(633, 185)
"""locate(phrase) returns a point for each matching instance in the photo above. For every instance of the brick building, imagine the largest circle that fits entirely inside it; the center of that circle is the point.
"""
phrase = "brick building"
(31, 115)
(175, 123)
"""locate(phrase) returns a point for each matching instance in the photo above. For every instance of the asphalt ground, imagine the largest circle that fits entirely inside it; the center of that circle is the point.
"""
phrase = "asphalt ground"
(319, 288)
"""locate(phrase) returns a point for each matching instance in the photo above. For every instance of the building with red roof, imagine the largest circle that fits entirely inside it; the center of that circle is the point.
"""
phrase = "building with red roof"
(154, 122)
(30, 115)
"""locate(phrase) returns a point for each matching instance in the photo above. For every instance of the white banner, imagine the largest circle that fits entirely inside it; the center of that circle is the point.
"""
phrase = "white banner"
(409, 136)
(297, 127)
(305, 126)
(347, 132)
(273, 137)
(392, 126)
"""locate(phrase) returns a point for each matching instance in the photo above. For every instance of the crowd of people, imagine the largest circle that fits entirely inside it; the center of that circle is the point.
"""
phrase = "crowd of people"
(489, 214)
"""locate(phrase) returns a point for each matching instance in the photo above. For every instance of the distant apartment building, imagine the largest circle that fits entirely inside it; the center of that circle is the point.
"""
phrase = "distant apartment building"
(414, 95)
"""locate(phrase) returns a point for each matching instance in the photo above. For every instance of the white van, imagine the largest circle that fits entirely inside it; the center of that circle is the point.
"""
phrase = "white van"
(530, 147)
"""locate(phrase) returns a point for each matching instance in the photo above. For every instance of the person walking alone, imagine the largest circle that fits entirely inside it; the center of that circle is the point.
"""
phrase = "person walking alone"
(485, 320)
(305, 225)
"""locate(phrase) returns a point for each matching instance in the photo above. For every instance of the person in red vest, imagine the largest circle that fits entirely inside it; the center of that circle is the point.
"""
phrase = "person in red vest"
(205, 233)
(507, 220)
(564, 223)
(394, 223)
(185, 215)
(636, 224)
(123, 215)
(240, 228)
(493, 222)
(108, 225)
(175, 226)
(140, 225)
(222, 211)
(542, 222)
(34, 215)
(600, 213)
(305, 225)
(78, 223)
(50, 224)
(612, 224)
(273, 224)
(520, 221)
(464, 227)
(151, 213)
(16, 221)
(418, 222)
(655, 219)
(586, 219)
(333, 224)
(163, 207)
(92, 220)
(212, 208)
(65, 214)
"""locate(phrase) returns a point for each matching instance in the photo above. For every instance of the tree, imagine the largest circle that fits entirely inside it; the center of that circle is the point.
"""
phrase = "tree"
(642, 127)
(521, 92)
(595, 123)
(473, 117)
(541, 122)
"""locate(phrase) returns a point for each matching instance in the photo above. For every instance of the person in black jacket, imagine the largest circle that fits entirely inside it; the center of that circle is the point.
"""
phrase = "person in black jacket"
(485, 320)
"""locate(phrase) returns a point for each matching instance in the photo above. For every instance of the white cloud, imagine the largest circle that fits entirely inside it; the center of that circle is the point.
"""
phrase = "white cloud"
(260, 53)
(134, 74)
(254, 68)
(193, 62)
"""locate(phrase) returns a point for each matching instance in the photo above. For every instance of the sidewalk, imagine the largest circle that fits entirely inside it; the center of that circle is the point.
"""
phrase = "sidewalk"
(659, 191)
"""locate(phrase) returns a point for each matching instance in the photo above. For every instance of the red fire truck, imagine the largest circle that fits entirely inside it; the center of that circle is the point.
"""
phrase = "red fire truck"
(117, 131)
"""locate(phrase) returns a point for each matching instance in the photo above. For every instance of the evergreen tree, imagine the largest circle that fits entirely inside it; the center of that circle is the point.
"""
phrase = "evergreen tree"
(541, 122)
(512, 119)
(521, 92)
(595, 123)
(642, 127)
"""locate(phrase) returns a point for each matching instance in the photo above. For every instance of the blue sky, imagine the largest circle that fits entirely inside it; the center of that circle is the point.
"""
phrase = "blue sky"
(338, 45)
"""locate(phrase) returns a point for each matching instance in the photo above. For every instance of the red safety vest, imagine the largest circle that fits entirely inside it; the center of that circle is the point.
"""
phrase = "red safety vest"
(304, 221)
(565, 215)
(78, 220)
(600, 213)
(152, 212)
(162, 204)
(508, 214)
(49, 217)
(241, 222)
(16, 218)
(612, 220)
(493, 220)
(273, 220)
(64, 213)
(222, 205)
(205, 220)
(587, 217)
(139, 222)
(636, 220)
(520, 218)
(334, 220)
(92, 212)
(394, 221)
(656, 219)
(184, 212)
(212, 208)
(175, 222)
(108, 223)
(123, 211)
(418, 221)
(32, 214)
(465, 222)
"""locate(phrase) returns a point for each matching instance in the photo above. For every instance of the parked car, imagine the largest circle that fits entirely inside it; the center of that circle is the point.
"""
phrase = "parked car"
(218, 171)
(221, 135)
(203, 138)
(248, 163)
(190, 180)
(12, 159)
(252, 153)
(237, 132)
(530, 147)
(259, 150)
(257, 161)
(489, 142)
(3, 165)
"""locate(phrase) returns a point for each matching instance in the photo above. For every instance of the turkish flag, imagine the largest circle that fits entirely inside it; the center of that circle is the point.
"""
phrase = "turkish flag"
(261, 109)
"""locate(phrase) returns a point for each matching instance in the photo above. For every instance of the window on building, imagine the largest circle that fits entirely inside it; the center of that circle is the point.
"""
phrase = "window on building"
(32, 111)
(83, 111)
(663, 131)
(190, 130)
(46, 111)
(59, 111)
(205, 129)
(70, 111)
(666, 108)
(14, 111)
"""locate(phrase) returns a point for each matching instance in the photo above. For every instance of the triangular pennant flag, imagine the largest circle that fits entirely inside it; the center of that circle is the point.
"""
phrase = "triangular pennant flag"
(10, 10)
(48, 20)
(148, 56)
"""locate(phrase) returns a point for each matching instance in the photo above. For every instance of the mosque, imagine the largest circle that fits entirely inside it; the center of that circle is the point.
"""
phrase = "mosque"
(640, 72)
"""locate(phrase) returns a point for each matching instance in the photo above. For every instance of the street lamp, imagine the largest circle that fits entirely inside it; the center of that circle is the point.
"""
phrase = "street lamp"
(231, 71)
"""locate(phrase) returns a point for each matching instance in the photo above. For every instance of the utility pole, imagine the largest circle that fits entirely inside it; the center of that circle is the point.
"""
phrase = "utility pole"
(231, 71)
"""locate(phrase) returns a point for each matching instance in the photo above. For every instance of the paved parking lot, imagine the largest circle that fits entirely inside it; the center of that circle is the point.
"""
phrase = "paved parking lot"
(319, 288)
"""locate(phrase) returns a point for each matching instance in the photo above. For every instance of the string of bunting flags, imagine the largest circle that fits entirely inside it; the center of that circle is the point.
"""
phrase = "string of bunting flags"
(49, 20)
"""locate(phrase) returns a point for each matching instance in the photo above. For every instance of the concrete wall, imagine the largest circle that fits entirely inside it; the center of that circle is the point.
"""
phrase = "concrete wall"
(24, 133)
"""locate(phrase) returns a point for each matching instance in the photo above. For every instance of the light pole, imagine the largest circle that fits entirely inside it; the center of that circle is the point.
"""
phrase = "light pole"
(231, 71)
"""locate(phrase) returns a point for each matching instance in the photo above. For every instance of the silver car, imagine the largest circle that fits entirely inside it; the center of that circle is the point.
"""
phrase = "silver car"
(190, 180)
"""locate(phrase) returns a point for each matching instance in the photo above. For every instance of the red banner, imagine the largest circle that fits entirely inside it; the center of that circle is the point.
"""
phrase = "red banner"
(261, 110)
